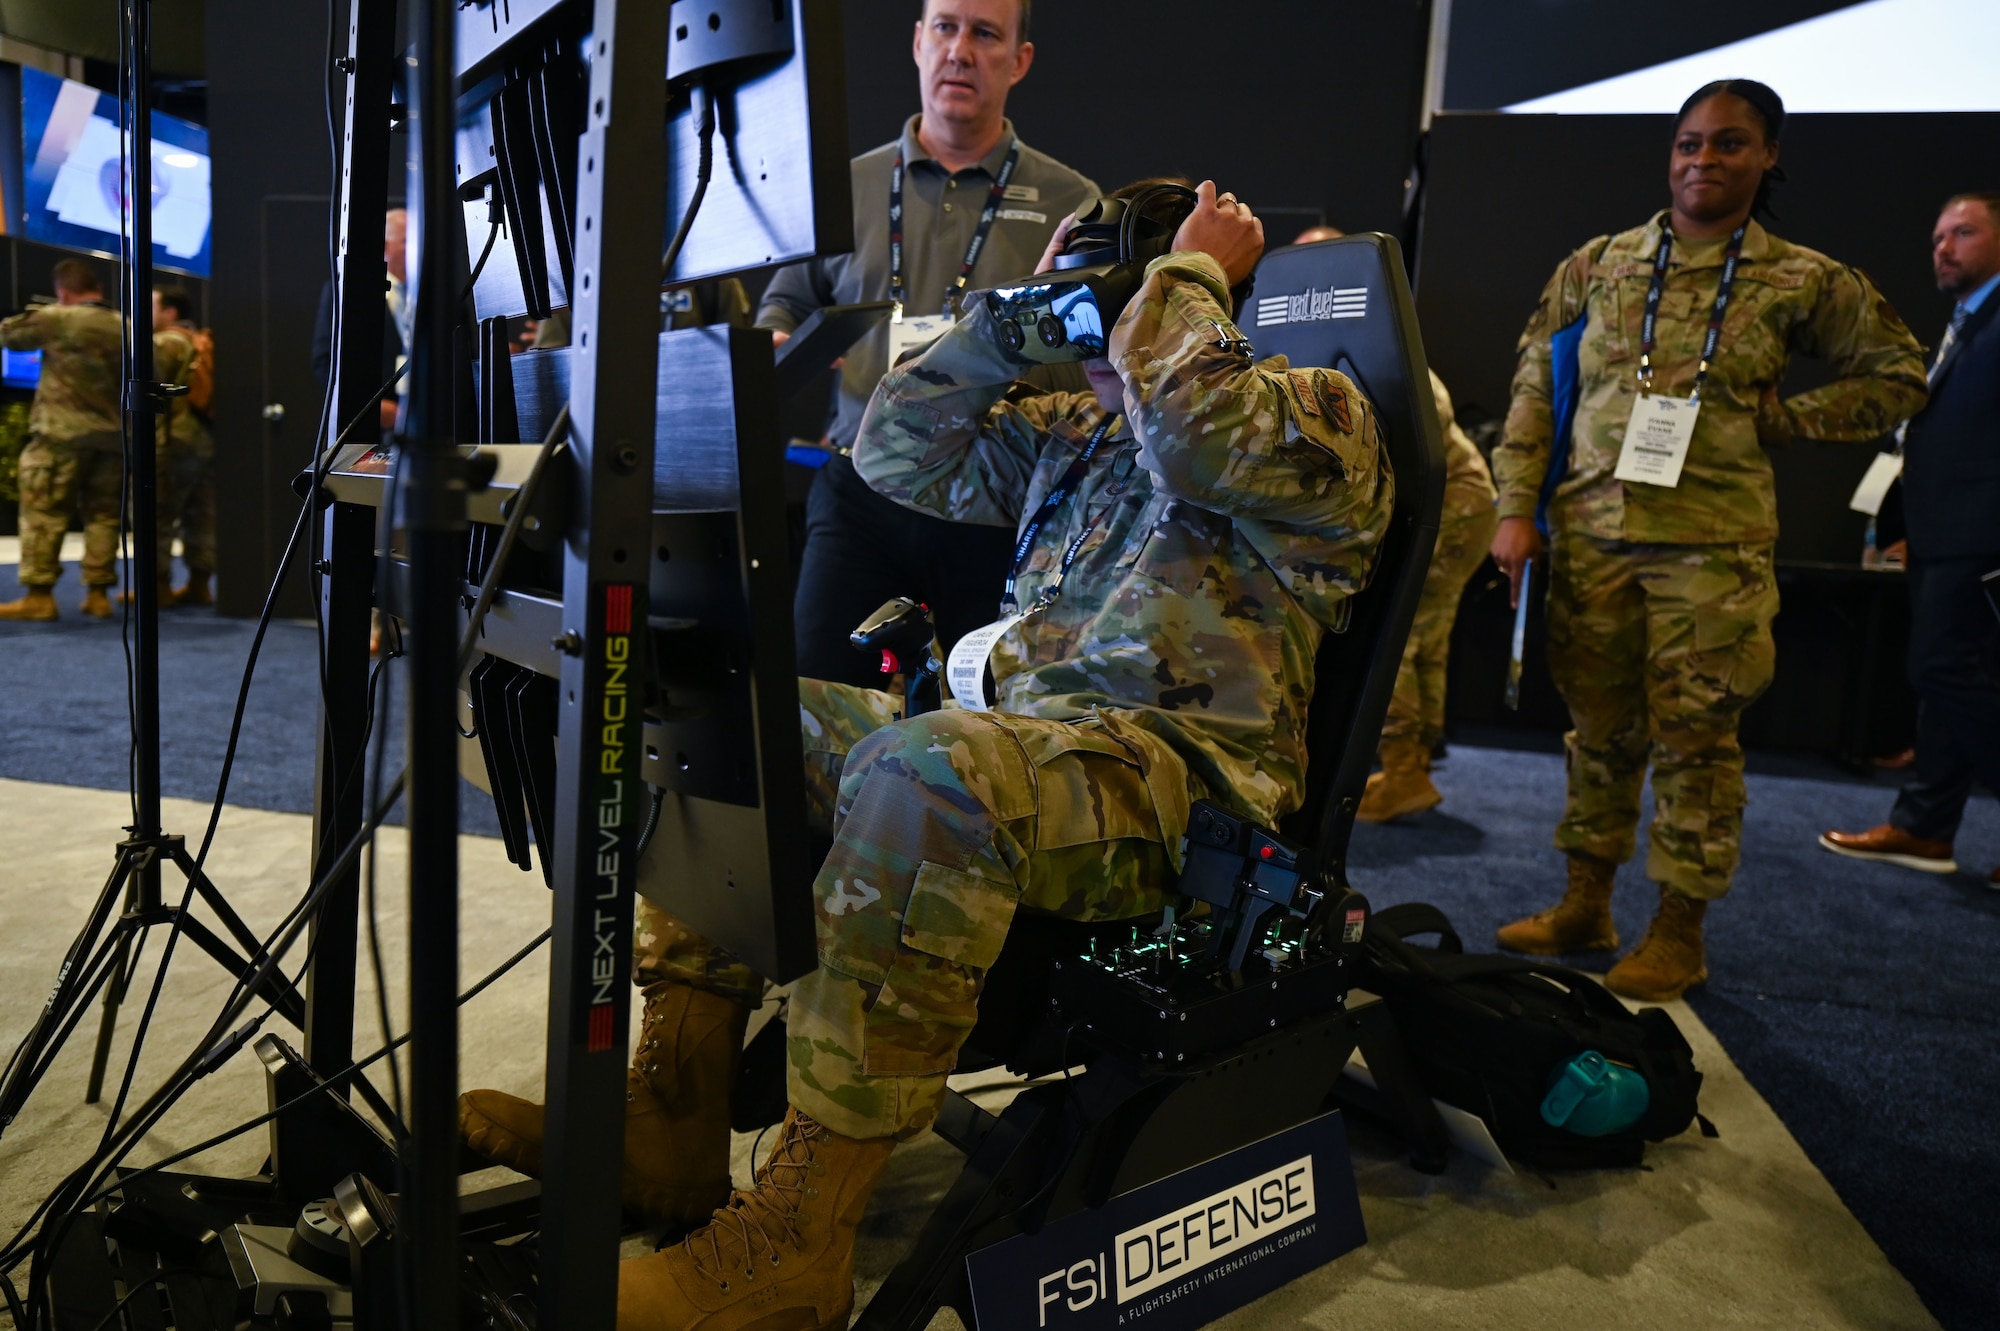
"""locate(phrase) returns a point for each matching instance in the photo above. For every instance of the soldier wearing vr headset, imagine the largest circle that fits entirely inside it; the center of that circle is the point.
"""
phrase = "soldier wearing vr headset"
(1187, 531)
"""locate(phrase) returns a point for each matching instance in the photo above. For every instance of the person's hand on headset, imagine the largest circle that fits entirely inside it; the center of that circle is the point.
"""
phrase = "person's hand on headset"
(1056, 243)
(1225, 229)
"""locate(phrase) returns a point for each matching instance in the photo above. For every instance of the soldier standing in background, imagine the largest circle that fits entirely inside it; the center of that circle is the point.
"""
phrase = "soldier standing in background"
(1414, 726)
(74, 456)
(185, 355)
(1662, 585)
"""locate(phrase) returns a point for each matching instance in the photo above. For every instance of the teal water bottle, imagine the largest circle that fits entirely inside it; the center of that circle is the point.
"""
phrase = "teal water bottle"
(1594, 1097)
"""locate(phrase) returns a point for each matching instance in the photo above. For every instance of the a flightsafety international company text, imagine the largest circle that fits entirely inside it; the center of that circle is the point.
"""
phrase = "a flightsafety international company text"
(1184, 1250)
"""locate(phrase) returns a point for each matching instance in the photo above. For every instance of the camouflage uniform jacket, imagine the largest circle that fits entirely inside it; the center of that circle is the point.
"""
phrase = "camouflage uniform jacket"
(1196, 605)
(1787, 299)
(174, 355)
(1468, 482)
(82, 350)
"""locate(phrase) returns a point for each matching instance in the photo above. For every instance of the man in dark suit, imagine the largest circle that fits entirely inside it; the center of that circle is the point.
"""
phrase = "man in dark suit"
(1951, 503)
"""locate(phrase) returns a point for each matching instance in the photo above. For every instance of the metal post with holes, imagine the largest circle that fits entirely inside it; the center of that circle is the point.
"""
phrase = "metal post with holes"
(614, 370)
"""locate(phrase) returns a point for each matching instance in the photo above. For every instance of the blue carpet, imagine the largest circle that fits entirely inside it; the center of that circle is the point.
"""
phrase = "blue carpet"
(1858, 999)
(63, 716)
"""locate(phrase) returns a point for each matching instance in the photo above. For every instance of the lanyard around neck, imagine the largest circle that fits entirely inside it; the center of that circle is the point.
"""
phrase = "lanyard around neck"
(1059, 496)
(1649, 324)
(897, 287)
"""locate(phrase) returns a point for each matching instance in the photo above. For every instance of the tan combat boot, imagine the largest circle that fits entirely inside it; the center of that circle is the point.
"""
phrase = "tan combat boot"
(676, 1109)
(196, 592)
(164, 601)
(1580, 922)
(96, 603)
(778, 1258)
(1403, 786)
(1669, 958)
(36, 606)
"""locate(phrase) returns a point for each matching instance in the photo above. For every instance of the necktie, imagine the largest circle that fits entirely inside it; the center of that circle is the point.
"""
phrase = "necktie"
(1959, 315)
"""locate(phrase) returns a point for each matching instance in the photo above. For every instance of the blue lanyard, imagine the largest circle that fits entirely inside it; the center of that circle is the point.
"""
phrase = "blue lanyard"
(1057, 498)
(994, 199)
(1648, 324)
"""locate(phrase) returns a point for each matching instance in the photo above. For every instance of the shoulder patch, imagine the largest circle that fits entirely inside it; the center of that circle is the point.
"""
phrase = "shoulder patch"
(1327, 401)
(1302, 388)
(1335, 401)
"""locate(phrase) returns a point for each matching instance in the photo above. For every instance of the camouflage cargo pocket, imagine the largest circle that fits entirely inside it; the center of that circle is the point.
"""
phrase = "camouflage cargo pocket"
(1735, 656)
(38, 481)
(953, 927)
(958, 916)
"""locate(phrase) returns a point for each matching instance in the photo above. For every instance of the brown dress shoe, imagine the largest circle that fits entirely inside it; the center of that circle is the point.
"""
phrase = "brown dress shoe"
(1892, 845)
(37, 606)
(1580, 922)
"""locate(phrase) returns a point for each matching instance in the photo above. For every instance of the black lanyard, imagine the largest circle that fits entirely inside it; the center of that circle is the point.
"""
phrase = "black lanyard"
(1648, 325)
(897, 290)
(1057, 498)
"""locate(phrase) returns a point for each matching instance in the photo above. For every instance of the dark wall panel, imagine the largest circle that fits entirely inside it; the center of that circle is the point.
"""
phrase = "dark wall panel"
(268, 135)
(1297, 104)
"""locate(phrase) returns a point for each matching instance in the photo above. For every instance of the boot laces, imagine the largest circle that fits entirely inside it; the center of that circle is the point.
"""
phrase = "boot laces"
(1661, 942)
(756, 1222)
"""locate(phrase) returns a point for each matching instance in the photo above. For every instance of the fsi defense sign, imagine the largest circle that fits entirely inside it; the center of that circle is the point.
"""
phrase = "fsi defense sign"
(1185, 1250)
(1175, 1246)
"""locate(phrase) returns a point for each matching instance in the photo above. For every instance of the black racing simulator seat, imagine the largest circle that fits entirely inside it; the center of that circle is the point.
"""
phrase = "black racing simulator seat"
(1186, 1061)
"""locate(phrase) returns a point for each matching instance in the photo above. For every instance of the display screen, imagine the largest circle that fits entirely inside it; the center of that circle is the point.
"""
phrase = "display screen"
(71, 174)
(20, 369)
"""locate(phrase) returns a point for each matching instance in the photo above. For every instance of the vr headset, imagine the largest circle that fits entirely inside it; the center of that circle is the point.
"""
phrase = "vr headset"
(1067, 314)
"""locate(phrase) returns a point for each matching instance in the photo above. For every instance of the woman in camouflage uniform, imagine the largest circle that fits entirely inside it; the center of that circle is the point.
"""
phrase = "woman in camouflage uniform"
(1662, 591)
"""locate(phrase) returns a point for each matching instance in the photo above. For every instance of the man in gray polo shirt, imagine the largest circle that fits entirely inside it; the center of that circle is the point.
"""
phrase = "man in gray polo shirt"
(977, 207)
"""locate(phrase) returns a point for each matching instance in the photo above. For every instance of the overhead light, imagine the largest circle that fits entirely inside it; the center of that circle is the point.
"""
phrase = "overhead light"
(182, 160)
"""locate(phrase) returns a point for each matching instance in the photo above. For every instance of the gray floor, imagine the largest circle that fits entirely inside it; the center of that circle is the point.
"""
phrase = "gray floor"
(1741, 1231)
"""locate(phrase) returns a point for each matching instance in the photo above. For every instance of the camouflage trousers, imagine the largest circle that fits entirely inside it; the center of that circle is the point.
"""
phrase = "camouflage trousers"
(1658, 649)
(1416, 708)
(943, 826)
(186, 492)
(59, 478)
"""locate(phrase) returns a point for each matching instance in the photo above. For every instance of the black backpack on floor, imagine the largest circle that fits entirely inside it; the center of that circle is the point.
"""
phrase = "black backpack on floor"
(1486, 1034)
